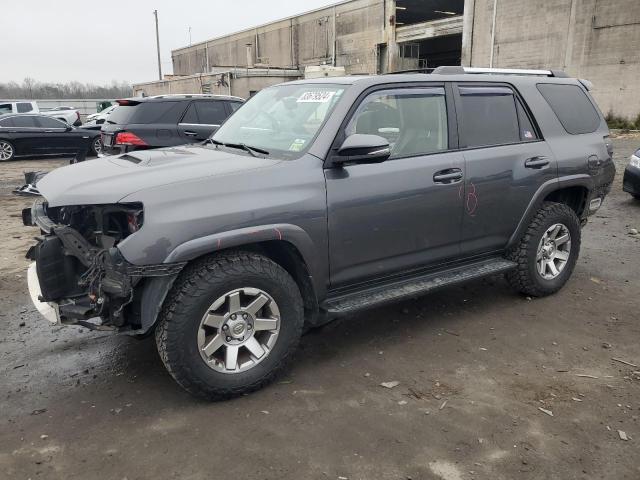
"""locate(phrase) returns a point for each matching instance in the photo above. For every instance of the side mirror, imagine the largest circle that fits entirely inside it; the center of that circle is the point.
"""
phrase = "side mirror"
(361, 148)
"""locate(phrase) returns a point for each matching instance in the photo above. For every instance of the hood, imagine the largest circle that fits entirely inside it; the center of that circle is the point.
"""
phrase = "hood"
(109, 179)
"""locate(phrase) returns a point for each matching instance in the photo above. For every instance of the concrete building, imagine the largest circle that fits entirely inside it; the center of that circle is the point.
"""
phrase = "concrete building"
(594, 39)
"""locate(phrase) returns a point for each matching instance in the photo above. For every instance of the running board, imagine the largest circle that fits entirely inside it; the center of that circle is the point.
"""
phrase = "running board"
(414, 286)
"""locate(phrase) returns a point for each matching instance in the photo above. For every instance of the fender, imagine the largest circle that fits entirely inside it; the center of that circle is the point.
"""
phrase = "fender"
(245, 236)
(580, 180)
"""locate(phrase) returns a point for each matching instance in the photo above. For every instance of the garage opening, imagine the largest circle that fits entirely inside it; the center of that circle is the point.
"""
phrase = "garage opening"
(431, 52)
(409, 12)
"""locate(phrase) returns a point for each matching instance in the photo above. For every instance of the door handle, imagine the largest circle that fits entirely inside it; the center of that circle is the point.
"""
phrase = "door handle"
(190, 133)
(450, 175)
(536, 162)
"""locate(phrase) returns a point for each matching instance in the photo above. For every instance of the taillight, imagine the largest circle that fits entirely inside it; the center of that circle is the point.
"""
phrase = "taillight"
(128, 138)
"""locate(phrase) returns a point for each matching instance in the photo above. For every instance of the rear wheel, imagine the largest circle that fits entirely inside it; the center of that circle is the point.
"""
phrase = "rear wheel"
(230, 324)
(548, 251)
(96, 146)
(7, 152)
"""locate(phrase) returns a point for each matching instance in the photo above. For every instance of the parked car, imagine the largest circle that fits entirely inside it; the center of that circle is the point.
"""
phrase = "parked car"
(66, 114)
(27, 134)
(164, 120)
(100, 117)
(631, 178)
(320, 198)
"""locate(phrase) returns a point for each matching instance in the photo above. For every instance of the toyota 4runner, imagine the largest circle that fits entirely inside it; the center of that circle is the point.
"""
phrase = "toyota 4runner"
(320, 198)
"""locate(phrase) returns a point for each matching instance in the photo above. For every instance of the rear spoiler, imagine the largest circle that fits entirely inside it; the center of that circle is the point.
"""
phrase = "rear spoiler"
(127, 102)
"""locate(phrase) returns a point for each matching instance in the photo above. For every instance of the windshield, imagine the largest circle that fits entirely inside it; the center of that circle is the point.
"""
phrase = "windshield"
(281, 120)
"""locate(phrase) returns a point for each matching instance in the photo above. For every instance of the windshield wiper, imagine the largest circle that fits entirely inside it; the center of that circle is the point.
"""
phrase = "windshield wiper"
(246, 148)
(211, 140)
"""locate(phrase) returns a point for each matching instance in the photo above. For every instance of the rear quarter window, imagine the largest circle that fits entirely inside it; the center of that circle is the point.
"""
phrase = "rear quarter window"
(158, 112)
(148, 113)
(571, 105)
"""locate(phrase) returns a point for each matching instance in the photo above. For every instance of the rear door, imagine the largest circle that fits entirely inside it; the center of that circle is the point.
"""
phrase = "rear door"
(404, 213)
(506, 162)
(202, 118)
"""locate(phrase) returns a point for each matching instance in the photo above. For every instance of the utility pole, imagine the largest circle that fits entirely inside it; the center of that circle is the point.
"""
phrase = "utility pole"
(155, 13)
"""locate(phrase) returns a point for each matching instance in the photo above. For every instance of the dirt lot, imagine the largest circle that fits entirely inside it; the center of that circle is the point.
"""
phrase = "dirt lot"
(476, 364)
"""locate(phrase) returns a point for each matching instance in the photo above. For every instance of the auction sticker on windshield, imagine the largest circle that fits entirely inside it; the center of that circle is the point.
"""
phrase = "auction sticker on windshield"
(315, 97)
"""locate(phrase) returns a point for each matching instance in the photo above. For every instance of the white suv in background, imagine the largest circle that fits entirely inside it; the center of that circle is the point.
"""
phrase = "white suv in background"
(71, 116)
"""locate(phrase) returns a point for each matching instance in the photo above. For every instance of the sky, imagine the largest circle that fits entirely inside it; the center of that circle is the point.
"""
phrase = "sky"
(99, 41)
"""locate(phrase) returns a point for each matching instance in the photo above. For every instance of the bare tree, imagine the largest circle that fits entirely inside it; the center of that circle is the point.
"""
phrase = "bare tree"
(33, 90)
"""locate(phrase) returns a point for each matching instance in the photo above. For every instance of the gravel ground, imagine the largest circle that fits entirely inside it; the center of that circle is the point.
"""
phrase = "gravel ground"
(480, 368)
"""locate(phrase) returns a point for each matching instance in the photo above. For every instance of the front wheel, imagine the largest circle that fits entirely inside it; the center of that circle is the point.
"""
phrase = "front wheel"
(7, 151)
(230, 324)
(548, 251)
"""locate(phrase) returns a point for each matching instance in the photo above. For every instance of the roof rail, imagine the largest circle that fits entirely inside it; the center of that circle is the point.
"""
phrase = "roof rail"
(459, 70)
(411, 70)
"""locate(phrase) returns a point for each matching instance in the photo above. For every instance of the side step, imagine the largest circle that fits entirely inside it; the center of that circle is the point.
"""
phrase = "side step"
(415, 286)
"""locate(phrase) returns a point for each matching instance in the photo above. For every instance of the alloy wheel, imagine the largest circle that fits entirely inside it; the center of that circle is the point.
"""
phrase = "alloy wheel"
(554, 250)
(97, 146)
(239, 330)
(6, 151)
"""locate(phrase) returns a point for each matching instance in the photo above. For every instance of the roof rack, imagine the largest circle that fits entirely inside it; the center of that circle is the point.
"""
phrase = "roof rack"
(412, 70)
(459, 70)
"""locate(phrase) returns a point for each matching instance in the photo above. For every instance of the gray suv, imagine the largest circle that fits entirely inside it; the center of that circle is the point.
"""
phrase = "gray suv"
(320, 198)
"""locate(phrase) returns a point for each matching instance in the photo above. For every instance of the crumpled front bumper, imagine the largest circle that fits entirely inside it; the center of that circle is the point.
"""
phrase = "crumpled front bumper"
(49, 310)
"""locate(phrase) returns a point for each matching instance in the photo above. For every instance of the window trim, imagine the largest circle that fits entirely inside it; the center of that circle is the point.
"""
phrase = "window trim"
(452, 129)
(460, 120)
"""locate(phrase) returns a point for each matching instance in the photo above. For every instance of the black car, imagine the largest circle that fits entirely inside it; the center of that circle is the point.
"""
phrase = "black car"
(631, 179)
(164, 121)
(26, 134)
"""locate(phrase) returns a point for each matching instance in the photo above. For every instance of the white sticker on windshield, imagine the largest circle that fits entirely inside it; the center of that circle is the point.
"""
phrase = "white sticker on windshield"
(315, 97)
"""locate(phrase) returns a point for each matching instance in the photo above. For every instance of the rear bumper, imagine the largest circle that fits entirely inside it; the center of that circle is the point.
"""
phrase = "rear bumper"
(631, 180)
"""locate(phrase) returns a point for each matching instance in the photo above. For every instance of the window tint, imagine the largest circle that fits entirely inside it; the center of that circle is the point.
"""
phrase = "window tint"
(6, 122)
(24, 107)
(414, 121)
(158, 112)
(572, 107)
(235, 105)
(27, 121)
(211, 113)
(46, 122)
(489, 116)
(191, 116)
(5, 108)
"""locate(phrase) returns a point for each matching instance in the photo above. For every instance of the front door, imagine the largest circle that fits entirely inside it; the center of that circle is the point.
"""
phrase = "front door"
(506, 163)
(404, 213)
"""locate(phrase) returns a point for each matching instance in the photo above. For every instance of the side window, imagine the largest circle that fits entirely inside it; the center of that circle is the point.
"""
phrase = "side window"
(489, 116)
(211, 113)
(6, 122)
(46, 122)
(26, 121)
(527, 132)
(572, 107)
(234, 106)
(414, 121)
(24, 107)
(190, 116)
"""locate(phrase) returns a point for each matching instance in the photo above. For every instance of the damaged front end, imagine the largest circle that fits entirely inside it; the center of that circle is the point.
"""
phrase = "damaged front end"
(80, 276)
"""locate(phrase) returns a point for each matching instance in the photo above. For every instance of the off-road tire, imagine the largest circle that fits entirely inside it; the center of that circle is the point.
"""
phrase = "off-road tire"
(525, 278)
(198, 285)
